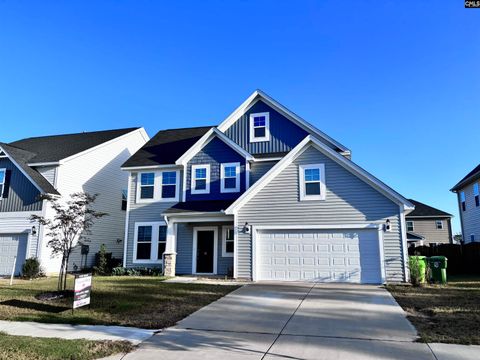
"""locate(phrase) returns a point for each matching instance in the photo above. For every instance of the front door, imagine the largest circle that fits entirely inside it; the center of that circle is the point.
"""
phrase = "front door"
(205, 251)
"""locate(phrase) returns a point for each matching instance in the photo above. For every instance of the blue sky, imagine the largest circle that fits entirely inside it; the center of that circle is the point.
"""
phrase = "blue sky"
(398, 82)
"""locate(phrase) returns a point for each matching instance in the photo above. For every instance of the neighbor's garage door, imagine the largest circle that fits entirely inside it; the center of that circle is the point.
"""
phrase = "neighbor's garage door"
(12, 245)
(319, 255)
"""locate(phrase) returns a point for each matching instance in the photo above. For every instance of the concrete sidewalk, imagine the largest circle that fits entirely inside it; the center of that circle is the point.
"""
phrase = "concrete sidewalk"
(67, 331)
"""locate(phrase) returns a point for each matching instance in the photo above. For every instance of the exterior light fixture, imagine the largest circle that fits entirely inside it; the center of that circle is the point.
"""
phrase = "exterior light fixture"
(388, 226)
(34, 230)
(246, 228)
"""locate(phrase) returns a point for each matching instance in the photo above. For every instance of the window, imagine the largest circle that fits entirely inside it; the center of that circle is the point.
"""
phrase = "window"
(150, 242)
(462, 200)
(410, 226)
(439, 224)
(312, 182)
(472, 237)
(260, 127)
(476, 194)
(169, 185)
(200, 179)
(147, 185)
(3, 175)
(228, 241)
(230, 177)
(124, 199)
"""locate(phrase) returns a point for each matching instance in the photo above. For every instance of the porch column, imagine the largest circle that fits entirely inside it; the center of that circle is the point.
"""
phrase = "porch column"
(170, 254)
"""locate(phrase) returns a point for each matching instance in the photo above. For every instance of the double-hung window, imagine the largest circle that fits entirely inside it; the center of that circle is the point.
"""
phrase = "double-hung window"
(147, 186)
(150, 242)
(3, 175)
(410, 226)
(169, 185)
(476, 194)
(230, 177)
(200, 179)
(462, 200)
(439, 224)
(260, 127)
(312, 182)
(228, 241)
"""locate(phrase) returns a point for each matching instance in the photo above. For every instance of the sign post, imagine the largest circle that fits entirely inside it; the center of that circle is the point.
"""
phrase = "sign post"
(82, 288)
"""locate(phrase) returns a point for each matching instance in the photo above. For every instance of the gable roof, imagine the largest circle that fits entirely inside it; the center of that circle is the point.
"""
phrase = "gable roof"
(205, 139)
(166, 147)
(341, 160)
(423, 210)
(54, 148)
(21, 158)
(260, 95)
(471, 176)
(414, 237)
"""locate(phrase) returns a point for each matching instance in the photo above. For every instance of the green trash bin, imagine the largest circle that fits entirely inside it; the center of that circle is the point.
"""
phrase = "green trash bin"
(438, 269)
(419, 262)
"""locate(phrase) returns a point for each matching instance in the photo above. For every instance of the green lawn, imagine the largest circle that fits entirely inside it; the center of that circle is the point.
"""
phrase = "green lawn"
(26, 348)
(448, 314)
(145, 302)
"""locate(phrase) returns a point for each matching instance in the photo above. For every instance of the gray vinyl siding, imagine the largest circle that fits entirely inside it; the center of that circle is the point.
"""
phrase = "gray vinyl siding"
(284, 134)
(427, 228)
(185, 249)
(19, 194)
(258, 169)
(471, 216)
(349, 200)
(215, 153)
(143, 212)
(48, 172)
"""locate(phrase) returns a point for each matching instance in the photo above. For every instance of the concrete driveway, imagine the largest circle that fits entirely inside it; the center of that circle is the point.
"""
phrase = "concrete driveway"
(292, 321)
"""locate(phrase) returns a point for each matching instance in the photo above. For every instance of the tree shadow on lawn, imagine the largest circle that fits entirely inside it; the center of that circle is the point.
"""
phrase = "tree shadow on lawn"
(22, 304)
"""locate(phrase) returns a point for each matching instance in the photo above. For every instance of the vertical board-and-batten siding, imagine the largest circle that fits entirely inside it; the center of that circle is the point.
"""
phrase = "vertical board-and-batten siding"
(19, 193)
(284, 134)
(98, 171)
(185, 248)
(214, 154)
(471, 216)
(143, 212)
(349, 200)
(258, 169)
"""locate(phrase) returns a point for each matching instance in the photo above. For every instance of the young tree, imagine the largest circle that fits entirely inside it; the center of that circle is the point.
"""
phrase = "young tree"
(72, 220)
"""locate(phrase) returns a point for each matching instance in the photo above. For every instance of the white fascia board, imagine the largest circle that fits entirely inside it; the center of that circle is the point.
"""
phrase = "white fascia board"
(245, 106)
(204, 140)
(150, 167)
(22, 171)
(341, 160)
(52, 163)
(99, 146)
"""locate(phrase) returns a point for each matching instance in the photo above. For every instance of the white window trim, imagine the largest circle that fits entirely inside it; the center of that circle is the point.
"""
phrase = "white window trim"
(224, 241)
(193, 179)
(413, 225)
(154, 248)
(267, 127)
(237, 177)
(4, 170)
(215, 248)
(436, 224)
(139, 187)
(303, 196)
(157, 187)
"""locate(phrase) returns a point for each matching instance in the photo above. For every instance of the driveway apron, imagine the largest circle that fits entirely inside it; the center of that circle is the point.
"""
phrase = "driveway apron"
(292, 321)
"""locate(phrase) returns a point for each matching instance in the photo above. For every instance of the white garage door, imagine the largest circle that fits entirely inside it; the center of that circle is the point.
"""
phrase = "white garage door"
(319, 255)
(12, 245)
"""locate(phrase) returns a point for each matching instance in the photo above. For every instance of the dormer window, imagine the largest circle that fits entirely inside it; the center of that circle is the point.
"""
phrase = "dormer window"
(260, 127)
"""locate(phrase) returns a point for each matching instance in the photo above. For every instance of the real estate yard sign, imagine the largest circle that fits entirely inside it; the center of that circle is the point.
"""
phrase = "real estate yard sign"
(83, 285)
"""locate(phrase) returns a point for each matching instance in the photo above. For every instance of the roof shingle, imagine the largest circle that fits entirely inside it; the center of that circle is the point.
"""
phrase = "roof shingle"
(422, 209)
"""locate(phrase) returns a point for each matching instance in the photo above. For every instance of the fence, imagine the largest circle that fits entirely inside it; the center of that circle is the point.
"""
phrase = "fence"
(462, 259)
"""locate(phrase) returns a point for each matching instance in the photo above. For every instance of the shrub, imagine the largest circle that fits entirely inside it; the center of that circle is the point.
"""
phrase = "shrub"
(101, 267)
(121, 271)
(417, 271)
(31, 269)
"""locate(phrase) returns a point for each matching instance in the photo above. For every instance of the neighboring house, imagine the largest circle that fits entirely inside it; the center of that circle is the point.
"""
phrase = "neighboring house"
(428, 226)
(263, 196)
(468, 195)
(62, 165)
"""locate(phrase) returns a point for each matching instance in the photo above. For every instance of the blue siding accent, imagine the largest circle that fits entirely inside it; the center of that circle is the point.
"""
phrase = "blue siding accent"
(20, 194)
(185, 248)
(215, 153)
(284, 134)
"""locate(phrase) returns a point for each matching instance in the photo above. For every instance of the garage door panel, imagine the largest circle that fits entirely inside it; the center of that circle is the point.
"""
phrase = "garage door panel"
(12, 245)
(319, 255)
